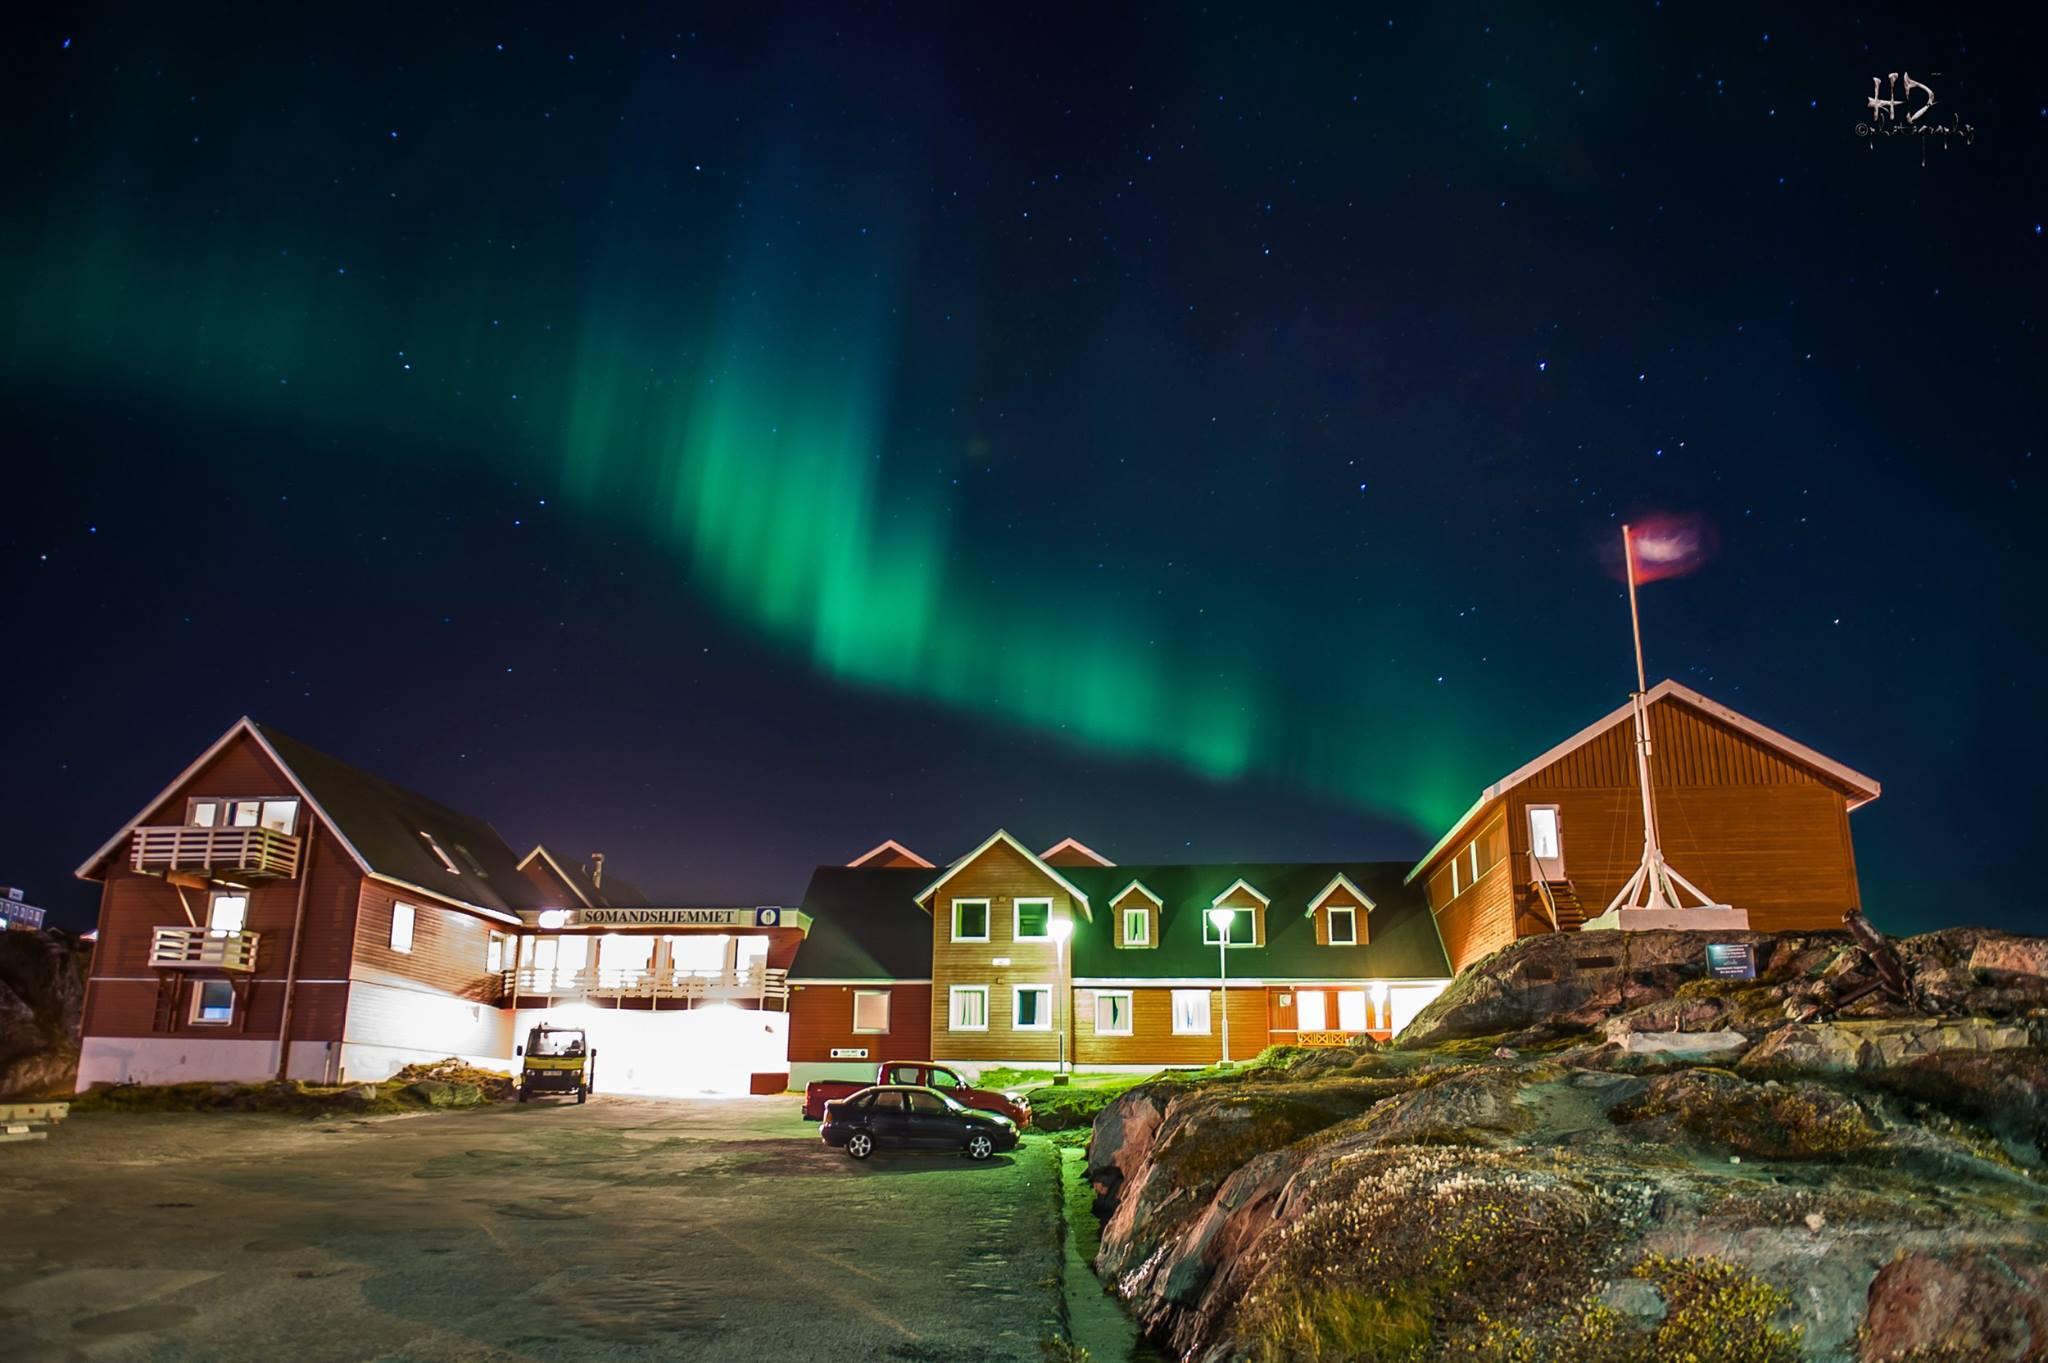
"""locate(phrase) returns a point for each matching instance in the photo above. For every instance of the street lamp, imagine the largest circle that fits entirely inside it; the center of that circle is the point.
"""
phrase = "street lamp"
(1222, 919)
(1062, 929)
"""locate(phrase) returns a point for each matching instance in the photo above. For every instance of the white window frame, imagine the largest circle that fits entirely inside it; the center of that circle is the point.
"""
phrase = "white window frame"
(1143, 936)
(199, 995)
(860, 994)
(986, 916)
(494, 954)
(1212, 936)
(214, 929)
(402, 912)
(1044, 1023)
(1473, 847)
(1208, 1021)
(1129, 1020)
(1456, 888)
(953, 1022)
(1350, 938)
(1017, 918)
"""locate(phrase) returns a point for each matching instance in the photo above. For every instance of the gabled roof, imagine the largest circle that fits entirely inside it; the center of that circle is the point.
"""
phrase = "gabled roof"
(887, 848)
(1339, 881)
(1859, 789)
(1078, 848)
(1242, 884)
(865, 925)
(1003, 836)
(614, 893)
(1139, 886)
(379, 825)
(1405, 944)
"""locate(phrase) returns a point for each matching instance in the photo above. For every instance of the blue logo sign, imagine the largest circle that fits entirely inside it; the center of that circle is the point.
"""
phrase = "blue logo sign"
(767, 917)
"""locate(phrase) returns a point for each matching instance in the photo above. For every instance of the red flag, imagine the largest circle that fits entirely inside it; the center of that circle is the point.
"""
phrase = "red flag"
(1664, 546)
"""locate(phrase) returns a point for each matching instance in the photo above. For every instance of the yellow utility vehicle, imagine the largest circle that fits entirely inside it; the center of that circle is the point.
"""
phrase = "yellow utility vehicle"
(558, 1060)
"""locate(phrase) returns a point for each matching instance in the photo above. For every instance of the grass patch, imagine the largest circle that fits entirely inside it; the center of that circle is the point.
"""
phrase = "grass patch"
(416, 1088)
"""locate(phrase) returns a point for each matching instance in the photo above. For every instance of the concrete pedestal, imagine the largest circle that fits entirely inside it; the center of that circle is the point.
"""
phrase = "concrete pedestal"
(1719, 919)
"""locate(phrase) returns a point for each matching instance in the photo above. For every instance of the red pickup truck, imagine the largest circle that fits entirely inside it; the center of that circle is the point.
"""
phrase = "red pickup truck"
(819, 1092)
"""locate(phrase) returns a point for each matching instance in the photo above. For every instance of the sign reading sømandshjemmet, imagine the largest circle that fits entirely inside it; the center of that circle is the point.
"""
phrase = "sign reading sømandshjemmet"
(765, 917)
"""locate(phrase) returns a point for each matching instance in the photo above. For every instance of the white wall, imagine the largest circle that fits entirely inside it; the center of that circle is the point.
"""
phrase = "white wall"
(197, 1060)
(714, 1049)
(390, 1027)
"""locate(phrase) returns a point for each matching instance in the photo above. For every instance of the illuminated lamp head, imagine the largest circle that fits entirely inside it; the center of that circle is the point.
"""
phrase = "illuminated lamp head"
(554, 918)
(1061, 929)
(1223, 918)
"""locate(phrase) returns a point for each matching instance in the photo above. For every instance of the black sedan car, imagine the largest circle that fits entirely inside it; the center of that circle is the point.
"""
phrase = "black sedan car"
(906, 1117)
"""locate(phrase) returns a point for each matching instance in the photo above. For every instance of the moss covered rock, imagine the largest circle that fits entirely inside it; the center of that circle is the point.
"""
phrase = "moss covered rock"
(1767, 1120)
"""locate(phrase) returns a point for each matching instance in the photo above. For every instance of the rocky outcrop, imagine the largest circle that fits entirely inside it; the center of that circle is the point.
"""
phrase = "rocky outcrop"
(1634, 1176)
(42, 1000)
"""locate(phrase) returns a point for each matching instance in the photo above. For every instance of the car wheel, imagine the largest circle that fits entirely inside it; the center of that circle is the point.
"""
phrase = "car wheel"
(860, 1145)
(524, 1093)
(979, 1146)
(583, 1094)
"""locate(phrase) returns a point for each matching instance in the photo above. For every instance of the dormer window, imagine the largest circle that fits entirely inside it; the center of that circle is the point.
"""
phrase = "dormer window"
(435, 848)
(279, 816)
(1343, 927)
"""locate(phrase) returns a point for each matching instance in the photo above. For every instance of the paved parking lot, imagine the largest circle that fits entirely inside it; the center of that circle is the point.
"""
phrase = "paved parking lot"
(624, 1230)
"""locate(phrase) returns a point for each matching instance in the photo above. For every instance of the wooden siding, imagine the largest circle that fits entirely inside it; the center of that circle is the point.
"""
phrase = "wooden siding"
(449, 946)
(821, 1018)
(1133, 900)
(121, 994)
(1000, 875)
(1341, 898)
(1480, 919)
(1152, 1040)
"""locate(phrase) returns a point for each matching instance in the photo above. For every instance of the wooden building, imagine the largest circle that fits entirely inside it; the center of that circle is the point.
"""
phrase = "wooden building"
(1756, 819)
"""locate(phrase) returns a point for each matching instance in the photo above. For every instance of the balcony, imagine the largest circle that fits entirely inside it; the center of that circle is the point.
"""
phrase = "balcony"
(202, 949)
(697, 986)
(231, 854)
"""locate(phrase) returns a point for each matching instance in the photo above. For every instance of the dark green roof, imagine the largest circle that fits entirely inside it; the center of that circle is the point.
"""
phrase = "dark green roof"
(866, 925)
(1402, 941)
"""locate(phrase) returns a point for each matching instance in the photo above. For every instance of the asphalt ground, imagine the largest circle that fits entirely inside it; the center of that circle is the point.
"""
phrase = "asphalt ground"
(626, 1229)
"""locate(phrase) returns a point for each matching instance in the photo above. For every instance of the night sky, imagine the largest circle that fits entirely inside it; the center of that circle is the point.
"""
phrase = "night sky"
(726, 439)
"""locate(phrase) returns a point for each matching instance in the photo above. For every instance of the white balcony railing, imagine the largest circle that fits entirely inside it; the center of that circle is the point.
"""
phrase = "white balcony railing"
(612, 982)
(202, 949)
(238, 853)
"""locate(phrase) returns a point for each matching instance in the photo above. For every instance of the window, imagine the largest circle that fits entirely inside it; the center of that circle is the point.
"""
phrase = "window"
(1112, 1012)
(970, 1006)
(1343, 927)
(227, 914)
(1474, 850)
(970, 920)
(888, 1101)
(1243, 929)
(1543, 838)
(1191, 1012)
(1456, 888)
(1034, 920)
(1311, 1010)
(1351, 1010)
(926, 1104)
(401, 927)
(494, 954)
(1033, 1004)
(280, 816)
(870, 1010)
(435, 848)
(213, 1003)
(1137, 928)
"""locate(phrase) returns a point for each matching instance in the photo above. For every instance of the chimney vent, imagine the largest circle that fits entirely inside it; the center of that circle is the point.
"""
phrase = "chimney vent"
(597, 869)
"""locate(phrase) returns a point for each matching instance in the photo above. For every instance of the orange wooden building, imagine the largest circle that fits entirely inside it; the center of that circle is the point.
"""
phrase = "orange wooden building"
(1756, 819)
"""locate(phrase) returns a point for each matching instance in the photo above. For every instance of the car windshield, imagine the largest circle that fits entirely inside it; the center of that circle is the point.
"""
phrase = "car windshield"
(557, 1043)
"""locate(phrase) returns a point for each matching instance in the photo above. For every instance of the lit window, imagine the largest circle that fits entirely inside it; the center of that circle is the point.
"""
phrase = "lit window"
(1351, 1010)
(1543, 838)
(1034, 920)
(213, 1002)
(227, 914)
(1243, 929)
(1456, 888)
(970, 1006)
(401, 927)
(435, 847)
(1311, 1010)
(494, 954)
(870, 1010)
(279, 816)
(1137, 928)
(1112, 1012)
(970, 920)
(1474, 849)
(245, 813)
(204, 814)
(1191, 1012)
(1343, 927)
(1034, 1007)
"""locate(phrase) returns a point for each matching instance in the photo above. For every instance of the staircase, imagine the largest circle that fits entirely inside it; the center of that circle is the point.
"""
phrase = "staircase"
(1558, 899)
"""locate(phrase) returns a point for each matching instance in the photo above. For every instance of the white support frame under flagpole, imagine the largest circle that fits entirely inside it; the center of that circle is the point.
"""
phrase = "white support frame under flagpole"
(1654, 887)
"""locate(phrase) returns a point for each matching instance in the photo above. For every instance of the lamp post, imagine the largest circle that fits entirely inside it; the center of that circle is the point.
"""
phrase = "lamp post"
(1222, 919)
(1061, 929)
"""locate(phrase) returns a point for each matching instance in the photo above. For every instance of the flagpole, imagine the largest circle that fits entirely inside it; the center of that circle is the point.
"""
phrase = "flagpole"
(1635, 619)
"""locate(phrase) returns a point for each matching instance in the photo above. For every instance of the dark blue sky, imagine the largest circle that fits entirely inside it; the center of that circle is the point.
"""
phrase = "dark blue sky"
(728, 440)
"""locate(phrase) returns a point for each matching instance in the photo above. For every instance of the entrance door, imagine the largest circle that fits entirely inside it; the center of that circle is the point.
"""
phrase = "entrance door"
(1546, 841)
